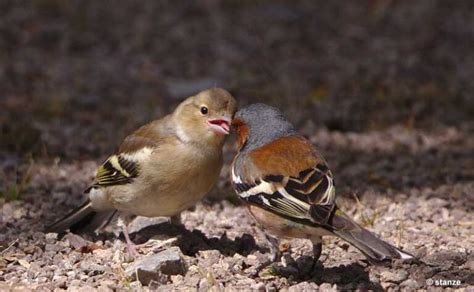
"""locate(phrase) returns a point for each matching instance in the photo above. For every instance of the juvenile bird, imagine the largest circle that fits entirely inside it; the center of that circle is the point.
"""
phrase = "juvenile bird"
(289, 189)
(161, 169)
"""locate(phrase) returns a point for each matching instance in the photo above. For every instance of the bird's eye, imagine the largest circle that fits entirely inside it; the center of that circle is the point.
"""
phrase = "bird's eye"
(204, 110)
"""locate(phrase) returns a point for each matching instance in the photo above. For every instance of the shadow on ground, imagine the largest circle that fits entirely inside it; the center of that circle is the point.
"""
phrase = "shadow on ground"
(190, 242)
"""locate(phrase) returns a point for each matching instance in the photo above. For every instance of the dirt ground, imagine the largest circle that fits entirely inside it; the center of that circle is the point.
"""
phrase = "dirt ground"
(383, 89)
(408, 194)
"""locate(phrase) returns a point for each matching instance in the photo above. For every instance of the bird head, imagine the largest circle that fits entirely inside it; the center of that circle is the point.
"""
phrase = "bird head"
(205, 118)
(259, 124)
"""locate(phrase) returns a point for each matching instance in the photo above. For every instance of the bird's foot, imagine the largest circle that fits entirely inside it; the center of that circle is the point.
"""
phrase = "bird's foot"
(132, 250)
(275, 256)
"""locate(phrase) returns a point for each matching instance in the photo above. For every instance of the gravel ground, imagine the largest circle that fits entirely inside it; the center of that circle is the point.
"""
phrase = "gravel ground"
(415, 189)
(383, 88)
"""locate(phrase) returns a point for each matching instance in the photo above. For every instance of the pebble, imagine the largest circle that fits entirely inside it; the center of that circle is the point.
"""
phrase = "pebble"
(258, 287)
(204, 285)
(304, 286)
(394, 276)
(410, 283)
(51, 237)
(76, 241)
(327, 287)
(154, 267)
(75, 283)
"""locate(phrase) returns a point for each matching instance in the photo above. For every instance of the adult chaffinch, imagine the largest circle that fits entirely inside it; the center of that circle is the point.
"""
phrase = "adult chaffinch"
(289, 189)
(161, 169)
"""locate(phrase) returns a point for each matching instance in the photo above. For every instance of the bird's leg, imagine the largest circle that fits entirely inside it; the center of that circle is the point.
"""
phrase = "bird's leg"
(317, 249)
(275, 254)
(131, 249)
(274, 247)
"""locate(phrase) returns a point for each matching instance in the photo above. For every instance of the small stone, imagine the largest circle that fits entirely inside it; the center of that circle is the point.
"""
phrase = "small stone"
(58, 259)
(52, 247)
(304, 286)
(158, 267)
(141, 223)
(270, 287)
(256, 259)
(325, 287)
(204, 285)
(410, 283)
(394, 277)
(136, 286)
(77, 242)
(103, 253)
(92, 268)
(19, 213)
(386, 285)
(103, 288)
(71, 274)
(258, 287)
(51, 237)
(177, 279)
(245, 283)
(209, 253)
(470, 265)
(217, 288)
(60, 281)
(75, 283)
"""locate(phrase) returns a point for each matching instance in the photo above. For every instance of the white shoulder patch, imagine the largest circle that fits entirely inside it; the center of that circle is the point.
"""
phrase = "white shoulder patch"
(139, 155)
(262, 187)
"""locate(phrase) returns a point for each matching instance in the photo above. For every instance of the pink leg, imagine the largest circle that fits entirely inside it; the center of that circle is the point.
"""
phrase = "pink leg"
(132, 251)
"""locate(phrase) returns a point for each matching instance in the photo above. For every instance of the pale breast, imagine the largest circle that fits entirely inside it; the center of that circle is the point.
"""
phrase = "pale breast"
(172, 181)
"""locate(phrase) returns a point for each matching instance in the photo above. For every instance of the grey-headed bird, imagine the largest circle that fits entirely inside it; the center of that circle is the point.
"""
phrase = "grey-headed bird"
(289, 189)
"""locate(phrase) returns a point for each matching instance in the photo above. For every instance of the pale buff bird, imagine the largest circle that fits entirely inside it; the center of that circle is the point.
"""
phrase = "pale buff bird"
(161, 169)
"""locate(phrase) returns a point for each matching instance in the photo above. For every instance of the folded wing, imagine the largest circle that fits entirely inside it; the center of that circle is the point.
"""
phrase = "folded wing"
(306, 195)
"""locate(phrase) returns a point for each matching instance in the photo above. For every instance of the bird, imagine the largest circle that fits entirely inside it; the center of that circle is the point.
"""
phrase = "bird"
(161, 169)
(289, 189)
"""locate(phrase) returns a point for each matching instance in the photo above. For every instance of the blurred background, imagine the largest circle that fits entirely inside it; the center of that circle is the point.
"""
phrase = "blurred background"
(77, 76)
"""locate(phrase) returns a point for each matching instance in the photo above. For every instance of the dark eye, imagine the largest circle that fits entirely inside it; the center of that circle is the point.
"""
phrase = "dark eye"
(204, 110)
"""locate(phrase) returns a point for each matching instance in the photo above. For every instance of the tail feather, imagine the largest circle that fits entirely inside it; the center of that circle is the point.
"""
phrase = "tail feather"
(368, 243)
(82, 219)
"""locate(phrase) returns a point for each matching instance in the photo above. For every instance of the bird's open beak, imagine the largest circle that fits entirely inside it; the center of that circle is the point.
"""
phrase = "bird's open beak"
(220, 126)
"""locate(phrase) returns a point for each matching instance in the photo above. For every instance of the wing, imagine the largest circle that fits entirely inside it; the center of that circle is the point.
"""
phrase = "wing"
(118, 169)
(123, 167)
(299, 186)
